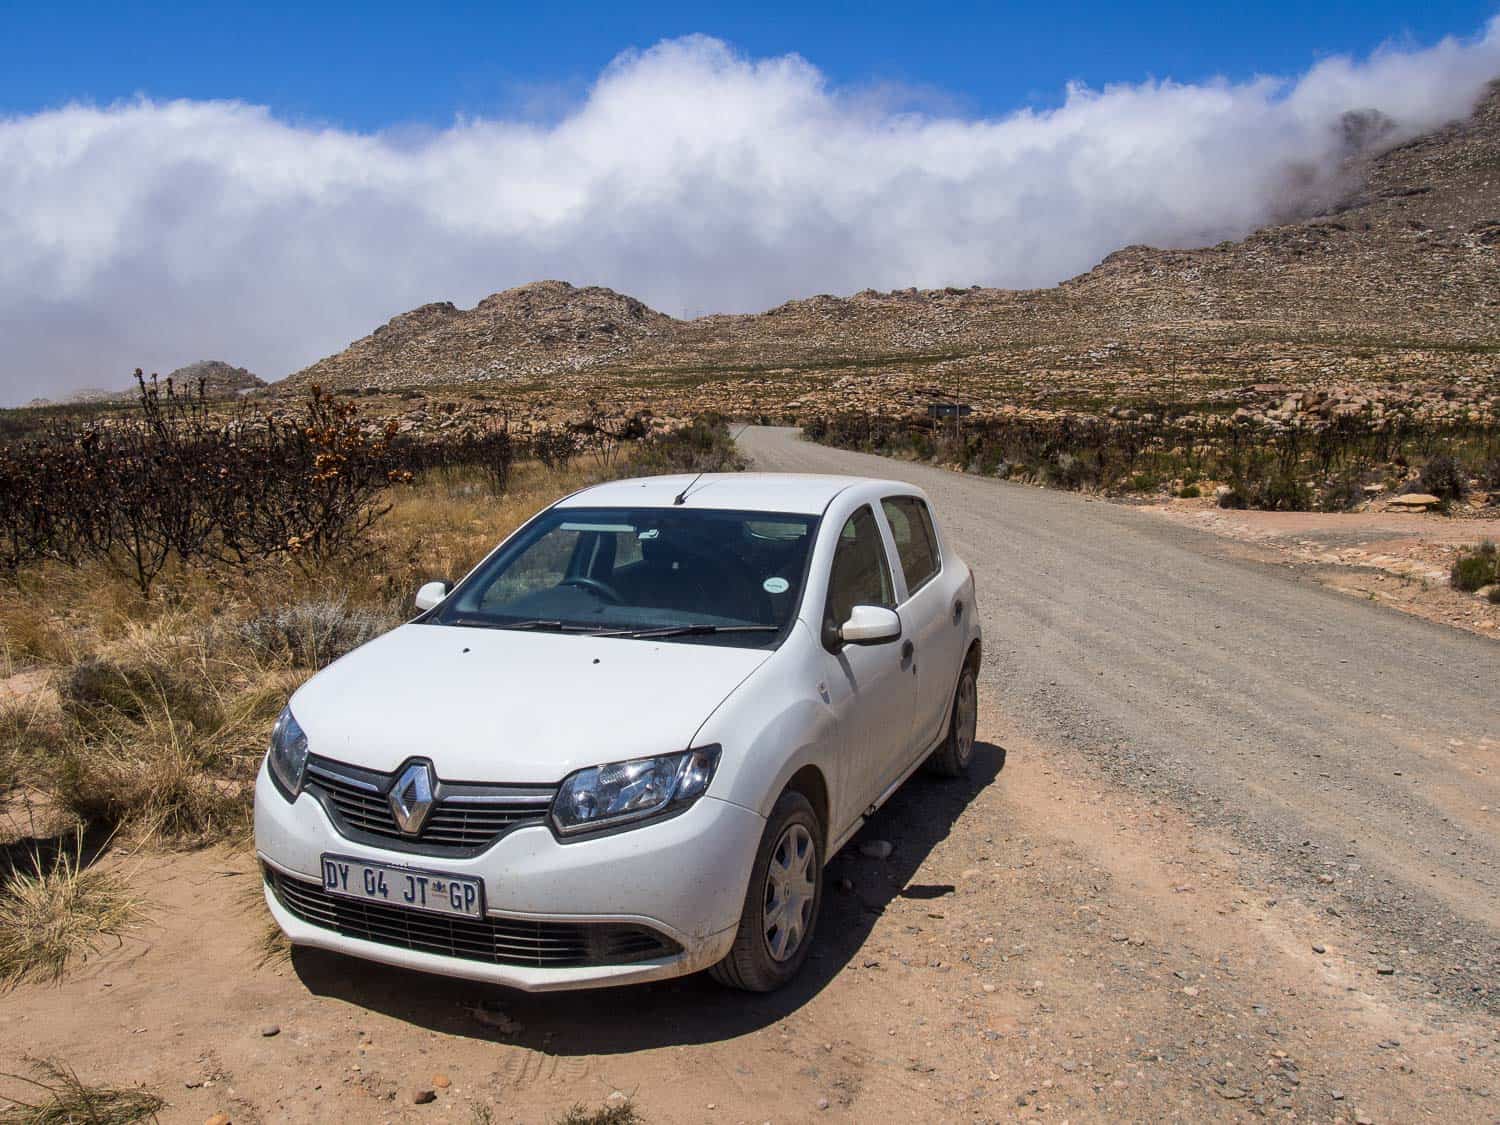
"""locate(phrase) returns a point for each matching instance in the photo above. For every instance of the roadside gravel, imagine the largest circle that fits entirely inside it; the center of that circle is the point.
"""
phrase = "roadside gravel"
(1347, 747)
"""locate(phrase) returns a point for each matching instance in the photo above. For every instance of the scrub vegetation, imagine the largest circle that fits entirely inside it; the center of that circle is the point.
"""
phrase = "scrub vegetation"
(1324, 464)
(142, 680)
(1476, 568)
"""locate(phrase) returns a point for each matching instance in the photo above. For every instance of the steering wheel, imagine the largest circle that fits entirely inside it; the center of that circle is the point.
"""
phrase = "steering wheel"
(603, 589)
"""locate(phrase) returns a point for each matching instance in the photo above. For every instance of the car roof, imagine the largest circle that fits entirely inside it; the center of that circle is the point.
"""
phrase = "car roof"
(747, 492)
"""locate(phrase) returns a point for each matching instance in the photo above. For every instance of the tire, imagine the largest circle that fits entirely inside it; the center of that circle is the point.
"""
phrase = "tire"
(953, 755)
(765, 955)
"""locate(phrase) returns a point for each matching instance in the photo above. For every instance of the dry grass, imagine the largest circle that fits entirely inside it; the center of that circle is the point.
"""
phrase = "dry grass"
(163, 703)
(620, 1113)
(56, 913)
(57, 1096)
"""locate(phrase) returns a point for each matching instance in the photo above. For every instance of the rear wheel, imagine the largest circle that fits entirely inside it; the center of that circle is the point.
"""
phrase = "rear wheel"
(952, 757)
(781, 906)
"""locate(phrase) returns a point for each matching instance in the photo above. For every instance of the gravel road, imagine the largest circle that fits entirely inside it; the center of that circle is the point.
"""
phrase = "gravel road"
(1346, 746)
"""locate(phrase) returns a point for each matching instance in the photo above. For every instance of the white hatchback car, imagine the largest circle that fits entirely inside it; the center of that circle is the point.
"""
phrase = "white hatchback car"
(625, 745)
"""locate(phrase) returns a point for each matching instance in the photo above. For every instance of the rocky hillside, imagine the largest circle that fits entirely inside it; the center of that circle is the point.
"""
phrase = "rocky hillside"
(218, 379)
(537, 329)
(1397, 280)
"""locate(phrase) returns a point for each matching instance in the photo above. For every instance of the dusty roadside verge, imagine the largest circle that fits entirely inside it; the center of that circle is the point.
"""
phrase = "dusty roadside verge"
(1397, 559)
(1041, 946)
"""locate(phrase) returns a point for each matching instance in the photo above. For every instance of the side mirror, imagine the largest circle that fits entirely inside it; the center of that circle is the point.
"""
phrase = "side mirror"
(430, 594)
(870, 625)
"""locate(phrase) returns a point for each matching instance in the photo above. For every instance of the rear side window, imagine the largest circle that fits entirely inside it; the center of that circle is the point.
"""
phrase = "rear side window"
(861, 575)
(916, 542)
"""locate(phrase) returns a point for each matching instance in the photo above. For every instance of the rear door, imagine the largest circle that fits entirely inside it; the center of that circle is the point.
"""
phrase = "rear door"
(929, 614)
(871, 688)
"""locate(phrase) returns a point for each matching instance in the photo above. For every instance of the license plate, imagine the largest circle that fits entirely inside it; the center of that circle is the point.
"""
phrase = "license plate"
(403, 886)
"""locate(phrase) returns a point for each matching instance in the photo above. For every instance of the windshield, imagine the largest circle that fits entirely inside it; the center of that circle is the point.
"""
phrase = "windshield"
(695, 575)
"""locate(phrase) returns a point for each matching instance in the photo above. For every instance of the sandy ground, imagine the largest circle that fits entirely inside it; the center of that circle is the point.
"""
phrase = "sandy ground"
(1040, 946)
(1398, 559)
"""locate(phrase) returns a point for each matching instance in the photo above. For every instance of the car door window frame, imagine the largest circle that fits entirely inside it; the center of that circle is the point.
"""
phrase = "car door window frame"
(930, 529)
(883, 540)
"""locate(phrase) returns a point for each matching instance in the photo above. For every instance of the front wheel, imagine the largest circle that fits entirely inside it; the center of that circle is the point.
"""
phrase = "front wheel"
(952, 758)
(781, 906)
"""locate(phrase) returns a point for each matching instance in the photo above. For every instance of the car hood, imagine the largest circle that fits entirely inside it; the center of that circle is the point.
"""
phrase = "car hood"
(514, 707)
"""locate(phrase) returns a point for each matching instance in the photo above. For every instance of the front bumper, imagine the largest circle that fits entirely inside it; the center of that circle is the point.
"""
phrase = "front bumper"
(684, 877)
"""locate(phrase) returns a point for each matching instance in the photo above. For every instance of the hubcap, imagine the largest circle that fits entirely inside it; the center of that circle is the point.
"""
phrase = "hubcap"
(791, 887)
(965, 717)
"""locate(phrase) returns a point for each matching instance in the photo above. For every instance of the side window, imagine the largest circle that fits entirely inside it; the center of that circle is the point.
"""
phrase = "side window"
(861, 575)
(916, 542)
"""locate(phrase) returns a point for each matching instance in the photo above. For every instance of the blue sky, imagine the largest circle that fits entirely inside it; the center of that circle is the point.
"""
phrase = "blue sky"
(375, 65)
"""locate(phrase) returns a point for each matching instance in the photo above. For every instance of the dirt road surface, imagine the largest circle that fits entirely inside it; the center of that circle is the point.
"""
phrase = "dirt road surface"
(1236, 861)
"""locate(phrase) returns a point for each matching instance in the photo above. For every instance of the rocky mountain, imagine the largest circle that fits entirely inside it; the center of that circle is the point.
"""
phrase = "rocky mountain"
(1395, 279)
(536, 329)
(218, 379)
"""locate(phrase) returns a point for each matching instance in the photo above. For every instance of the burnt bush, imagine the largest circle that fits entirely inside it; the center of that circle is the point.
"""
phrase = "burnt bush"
(176, 480)
(1445, 478)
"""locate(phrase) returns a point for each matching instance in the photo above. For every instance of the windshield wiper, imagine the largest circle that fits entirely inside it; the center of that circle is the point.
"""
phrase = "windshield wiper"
(692, 630)
(540, 624)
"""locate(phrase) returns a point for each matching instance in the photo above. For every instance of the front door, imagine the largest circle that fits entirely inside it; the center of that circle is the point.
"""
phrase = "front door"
(872, 688)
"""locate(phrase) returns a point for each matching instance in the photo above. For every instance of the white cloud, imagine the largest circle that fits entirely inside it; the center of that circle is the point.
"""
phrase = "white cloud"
(156, 233)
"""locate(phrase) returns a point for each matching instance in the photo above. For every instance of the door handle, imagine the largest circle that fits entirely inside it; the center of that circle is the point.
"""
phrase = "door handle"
(958, 611)
(907, 651)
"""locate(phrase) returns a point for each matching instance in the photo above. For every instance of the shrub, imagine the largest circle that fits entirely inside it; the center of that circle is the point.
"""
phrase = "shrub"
(97, 689)
(1445, 478)
(1190, 492)
(705, 445)
(554, 448)
(150, 743)
(311, 634)
(1476, 568)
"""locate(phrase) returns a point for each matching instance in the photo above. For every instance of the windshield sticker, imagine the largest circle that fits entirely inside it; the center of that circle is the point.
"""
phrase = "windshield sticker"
(650, 533)
(775, 585)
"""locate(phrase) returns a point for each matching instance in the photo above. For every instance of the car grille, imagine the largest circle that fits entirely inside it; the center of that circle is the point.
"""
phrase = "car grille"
(466, 818)
(495, 941)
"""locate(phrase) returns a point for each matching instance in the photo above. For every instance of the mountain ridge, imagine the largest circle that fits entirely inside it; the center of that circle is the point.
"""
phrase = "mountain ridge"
(1406, 255)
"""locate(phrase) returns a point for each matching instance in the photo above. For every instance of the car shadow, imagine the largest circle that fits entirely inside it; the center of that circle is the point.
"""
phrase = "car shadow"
(691, 1009)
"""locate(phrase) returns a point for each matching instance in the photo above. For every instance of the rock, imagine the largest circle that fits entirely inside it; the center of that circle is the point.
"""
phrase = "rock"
(217, 1119)
(270, 1030)
(822, 1103)
(1320, 949)
(422, 1096)
(1413, 502)
(441, 1081)
(876, 849)
(1385, 970)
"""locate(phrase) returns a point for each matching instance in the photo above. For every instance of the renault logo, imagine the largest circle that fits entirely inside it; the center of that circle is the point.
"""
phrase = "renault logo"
(411, 797)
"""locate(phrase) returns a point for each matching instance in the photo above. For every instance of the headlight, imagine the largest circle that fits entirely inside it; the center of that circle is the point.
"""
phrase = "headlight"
(622, 792)
(288, 754)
